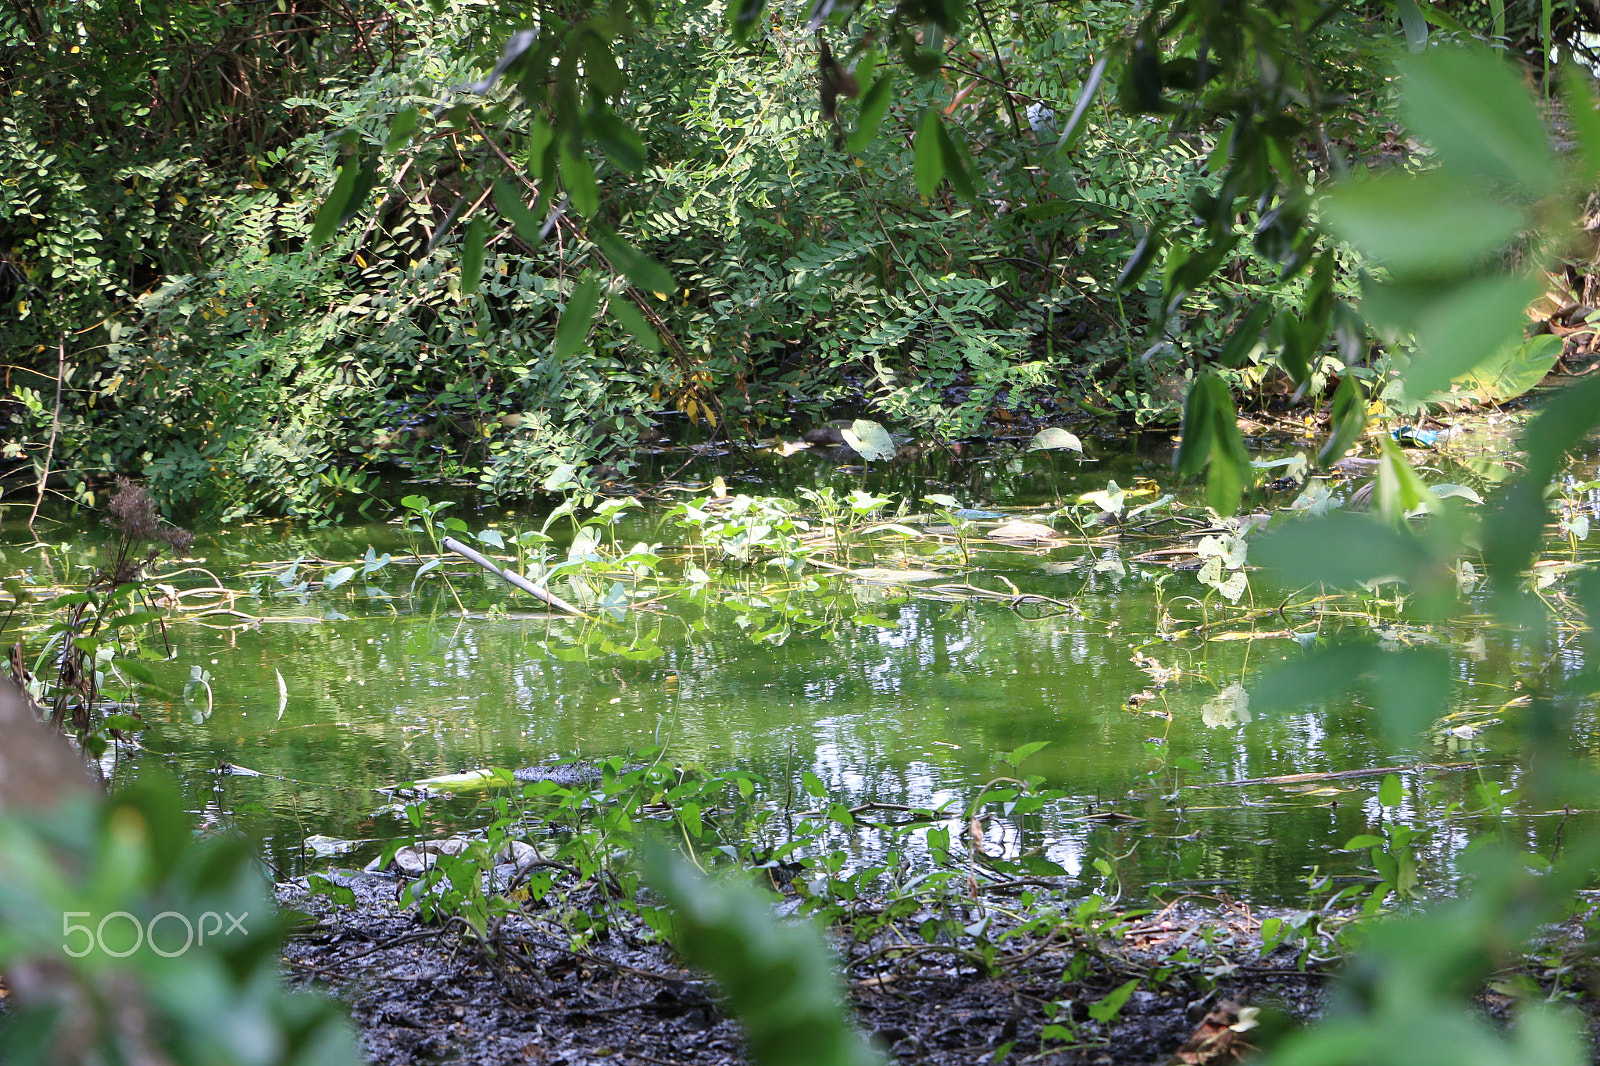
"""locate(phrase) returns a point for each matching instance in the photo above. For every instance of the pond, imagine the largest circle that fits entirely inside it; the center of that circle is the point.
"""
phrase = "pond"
(889, 689)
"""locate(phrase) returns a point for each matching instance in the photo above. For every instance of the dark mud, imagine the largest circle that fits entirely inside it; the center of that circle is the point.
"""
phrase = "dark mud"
(427, 994)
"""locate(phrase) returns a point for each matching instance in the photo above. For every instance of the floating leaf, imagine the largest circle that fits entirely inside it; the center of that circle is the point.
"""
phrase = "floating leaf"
(1055, 439)
(870, 440)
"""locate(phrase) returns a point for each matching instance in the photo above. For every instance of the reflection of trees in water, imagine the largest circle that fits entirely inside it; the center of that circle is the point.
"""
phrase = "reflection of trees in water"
(911, 712)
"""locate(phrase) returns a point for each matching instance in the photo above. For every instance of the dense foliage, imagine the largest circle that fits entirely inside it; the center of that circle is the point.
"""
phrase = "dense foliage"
(175, 317)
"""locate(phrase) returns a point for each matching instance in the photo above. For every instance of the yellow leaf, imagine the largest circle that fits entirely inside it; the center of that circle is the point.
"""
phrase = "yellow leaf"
(182, 199)
(360, 261)
(692, 410)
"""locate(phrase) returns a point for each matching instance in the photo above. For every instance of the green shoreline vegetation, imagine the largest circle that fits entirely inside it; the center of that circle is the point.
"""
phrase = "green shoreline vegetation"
(258, 253)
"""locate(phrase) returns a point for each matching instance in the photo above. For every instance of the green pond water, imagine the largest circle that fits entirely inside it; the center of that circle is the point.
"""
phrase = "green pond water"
(886, 693)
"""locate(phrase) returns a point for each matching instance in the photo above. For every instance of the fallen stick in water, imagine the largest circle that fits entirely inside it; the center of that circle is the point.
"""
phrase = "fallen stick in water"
(514, 578)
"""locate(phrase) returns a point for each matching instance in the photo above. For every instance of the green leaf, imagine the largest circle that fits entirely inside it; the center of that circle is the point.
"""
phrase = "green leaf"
(870, 440)
(630, 318)
(1109, 1006)
(743, 18)
(1054, 439)
(338, 577)
(643, 271)
(1245, 335)
(578, 177)
(1346, 550)
(955, 163)
(1399, 490)
(1211, 442)
(1463, 329)
(1414, 24)
(1513, 370)
(1348, 419)
(332, 212)
(929, 162)
(400, 129)
(513, 210)
(576, 318)
(777, 978)
(1513, 531)
(617, 140)
(1390, 793)
(1472, 107)
(874, 105)
(472, 255)
(1429, 225)
(1194, 448)
(1144, 254)
(1091, 85)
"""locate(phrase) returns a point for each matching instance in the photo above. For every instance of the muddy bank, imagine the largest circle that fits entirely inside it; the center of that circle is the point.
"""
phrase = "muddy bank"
(425, 993)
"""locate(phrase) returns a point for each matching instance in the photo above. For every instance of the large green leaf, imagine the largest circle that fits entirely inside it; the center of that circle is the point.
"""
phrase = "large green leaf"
(631, 319)
(1460, 331)
(472, 255)
(640, 269)
(576, 318)
(1473, 108)
(929, 162)
(1514, 369)
(778, 977)
(1430, 225)
(870, 440)
(578, 177)
(874, 105)
(513, 210)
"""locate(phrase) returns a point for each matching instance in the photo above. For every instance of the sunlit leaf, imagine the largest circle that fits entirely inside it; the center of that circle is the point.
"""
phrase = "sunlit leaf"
(1460, 331)
(1513, 370)
(870, 440)
(1054, 439)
